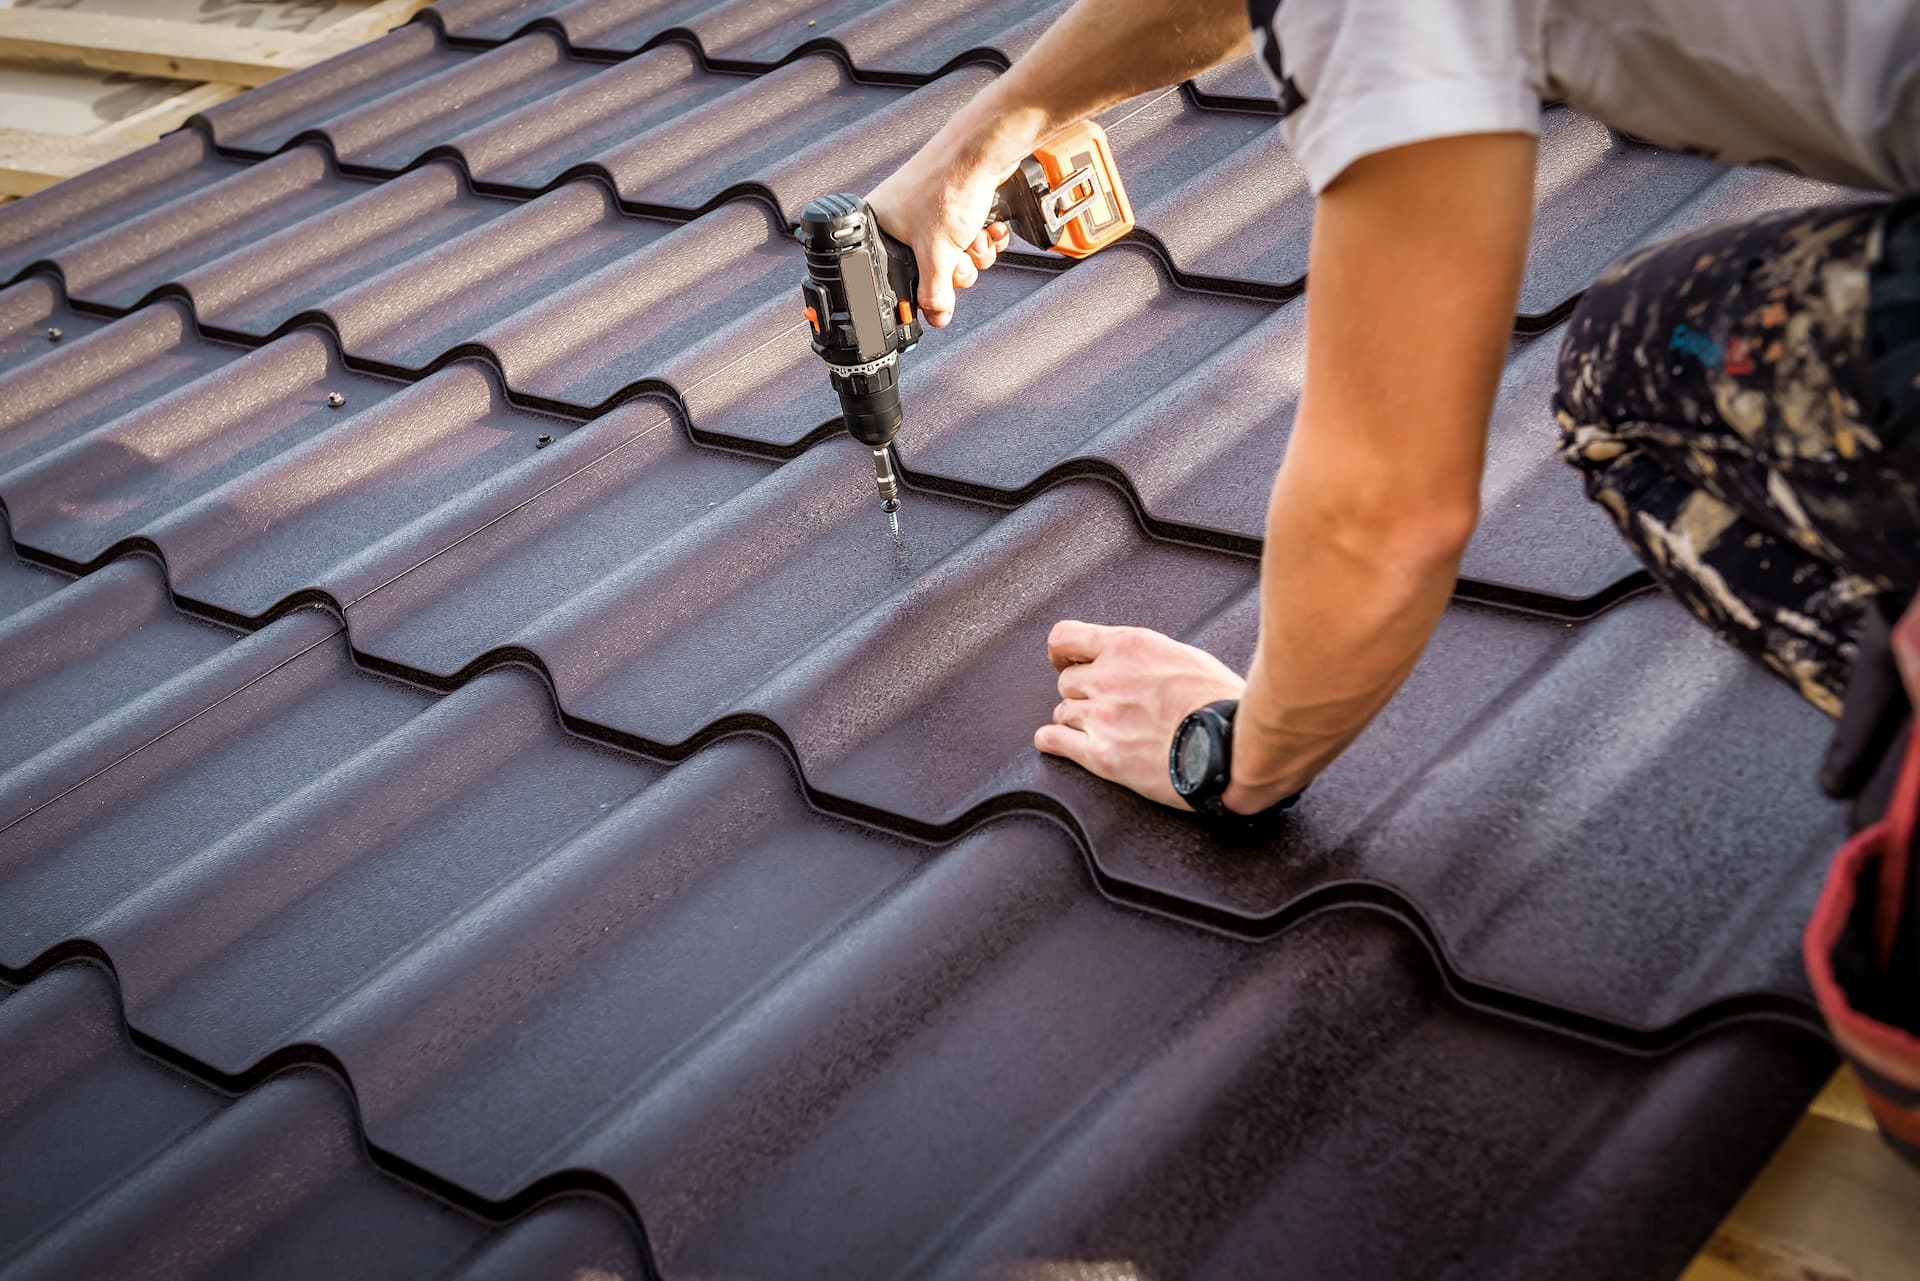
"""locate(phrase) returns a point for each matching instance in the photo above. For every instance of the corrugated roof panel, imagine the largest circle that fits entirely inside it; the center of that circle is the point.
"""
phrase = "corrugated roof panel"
(32, 313)
(1216, 188)
(904, 37)
(619, 27)
(80, 654)
(1031, 387)
(126, 476)
(788, 603)
(119, 267)
(428, 98)
(900, 39)
(74, 386)
(21, 583)
(79, 1108)
(264, 281)
(107, 197)
(128, 759)
(740, 592)
(883, 1002)
(114, 1162)
(355, 83)
(530, 148)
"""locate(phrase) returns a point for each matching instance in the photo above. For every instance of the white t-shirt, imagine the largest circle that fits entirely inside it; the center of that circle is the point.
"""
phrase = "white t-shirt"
(1829, 88)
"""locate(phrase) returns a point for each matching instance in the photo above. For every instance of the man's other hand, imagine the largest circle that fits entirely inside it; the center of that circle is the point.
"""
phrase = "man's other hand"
(1123, 692)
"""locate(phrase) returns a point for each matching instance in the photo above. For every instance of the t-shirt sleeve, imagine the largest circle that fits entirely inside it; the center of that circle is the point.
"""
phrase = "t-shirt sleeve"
(1355, 77)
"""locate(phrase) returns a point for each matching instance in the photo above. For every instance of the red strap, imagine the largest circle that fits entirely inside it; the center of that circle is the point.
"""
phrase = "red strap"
(1896, 859)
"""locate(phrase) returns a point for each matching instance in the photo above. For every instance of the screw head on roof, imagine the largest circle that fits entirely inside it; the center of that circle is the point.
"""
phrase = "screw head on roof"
(809, 22)
(543, 442)
(335, 399)
(54, 334)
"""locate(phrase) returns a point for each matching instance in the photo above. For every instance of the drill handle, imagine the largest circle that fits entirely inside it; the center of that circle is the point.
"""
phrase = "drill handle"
(903, 275)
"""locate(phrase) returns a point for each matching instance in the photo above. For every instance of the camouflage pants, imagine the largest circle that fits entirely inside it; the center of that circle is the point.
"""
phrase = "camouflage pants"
(1743, 404)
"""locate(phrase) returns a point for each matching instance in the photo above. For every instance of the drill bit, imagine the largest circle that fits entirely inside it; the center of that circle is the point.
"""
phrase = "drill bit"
(889, 487)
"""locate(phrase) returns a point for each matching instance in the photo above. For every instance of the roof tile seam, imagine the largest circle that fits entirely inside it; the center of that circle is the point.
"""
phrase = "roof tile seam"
(1347, 893)
(1531, 602)
(976, 55)
(557, 1185)
(1525, 324)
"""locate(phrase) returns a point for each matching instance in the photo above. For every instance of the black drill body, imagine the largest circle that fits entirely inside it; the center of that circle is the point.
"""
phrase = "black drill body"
(861, 296)
(859, 292)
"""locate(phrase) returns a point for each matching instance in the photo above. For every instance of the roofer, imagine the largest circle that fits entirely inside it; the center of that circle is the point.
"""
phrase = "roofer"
(1741, 401)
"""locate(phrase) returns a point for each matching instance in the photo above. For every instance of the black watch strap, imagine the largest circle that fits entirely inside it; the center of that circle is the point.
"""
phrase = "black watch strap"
(1207, 799)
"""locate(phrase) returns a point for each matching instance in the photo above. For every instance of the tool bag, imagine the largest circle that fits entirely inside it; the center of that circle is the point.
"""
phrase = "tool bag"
(1862, 953)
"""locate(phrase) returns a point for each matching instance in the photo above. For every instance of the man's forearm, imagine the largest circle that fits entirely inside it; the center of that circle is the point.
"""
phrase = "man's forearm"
(1347, 606)
(1097, 54)
(1415, 265)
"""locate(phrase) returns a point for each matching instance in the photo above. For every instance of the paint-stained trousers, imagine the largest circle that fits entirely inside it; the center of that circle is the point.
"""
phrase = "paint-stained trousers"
(1743, 403)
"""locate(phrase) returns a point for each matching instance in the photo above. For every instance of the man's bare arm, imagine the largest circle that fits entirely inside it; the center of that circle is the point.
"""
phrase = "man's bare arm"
(1413, 276)
(1414, 273)
(1098, 53)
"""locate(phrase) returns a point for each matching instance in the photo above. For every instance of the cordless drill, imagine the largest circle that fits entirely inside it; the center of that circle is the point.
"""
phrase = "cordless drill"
(861, 282)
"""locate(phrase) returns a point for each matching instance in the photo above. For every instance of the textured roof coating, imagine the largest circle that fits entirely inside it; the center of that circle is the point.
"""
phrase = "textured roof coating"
(486, 684)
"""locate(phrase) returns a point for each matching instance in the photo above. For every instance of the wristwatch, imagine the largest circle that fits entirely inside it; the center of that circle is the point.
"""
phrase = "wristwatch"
(1201, 762)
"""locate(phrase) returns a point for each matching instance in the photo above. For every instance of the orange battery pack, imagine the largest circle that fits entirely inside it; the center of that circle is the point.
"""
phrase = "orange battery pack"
(1081, 173)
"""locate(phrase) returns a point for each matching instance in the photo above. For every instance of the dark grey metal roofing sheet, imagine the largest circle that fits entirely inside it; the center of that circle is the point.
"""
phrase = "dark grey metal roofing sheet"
(585, 778)
(117, 1165)
(898, 38)
(771, 1087)
(1214, 188)
(34, 316)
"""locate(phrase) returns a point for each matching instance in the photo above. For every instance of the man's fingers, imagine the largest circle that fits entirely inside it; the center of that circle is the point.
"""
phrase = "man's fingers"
(1076, 681)
(1072, 712)
(1000, 235)
(1058, 740)
(982, 251)
(1072, 641)
(936, 283)
(965, 273)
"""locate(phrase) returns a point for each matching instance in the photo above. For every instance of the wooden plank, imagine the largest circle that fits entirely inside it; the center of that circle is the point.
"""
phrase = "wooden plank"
(1842, 1101)
(1835, 1204)
(164, 117)
(152, 47)
(376, 19)
(30, 160)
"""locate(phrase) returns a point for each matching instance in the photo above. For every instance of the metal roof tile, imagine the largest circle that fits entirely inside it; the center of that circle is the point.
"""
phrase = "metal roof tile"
(267, 118)
(268, 280)
(120, 266)
(126, 477)
(22, 583)
(80, 654)
(32, 312)
(113, 1160)
(572, 1002)
(695, 983)
(72, 387)
(107, 197)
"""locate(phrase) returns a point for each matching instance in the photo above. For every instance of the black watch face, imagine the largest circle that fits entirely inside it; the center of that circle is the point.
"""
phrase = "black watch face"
(1194, 755)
